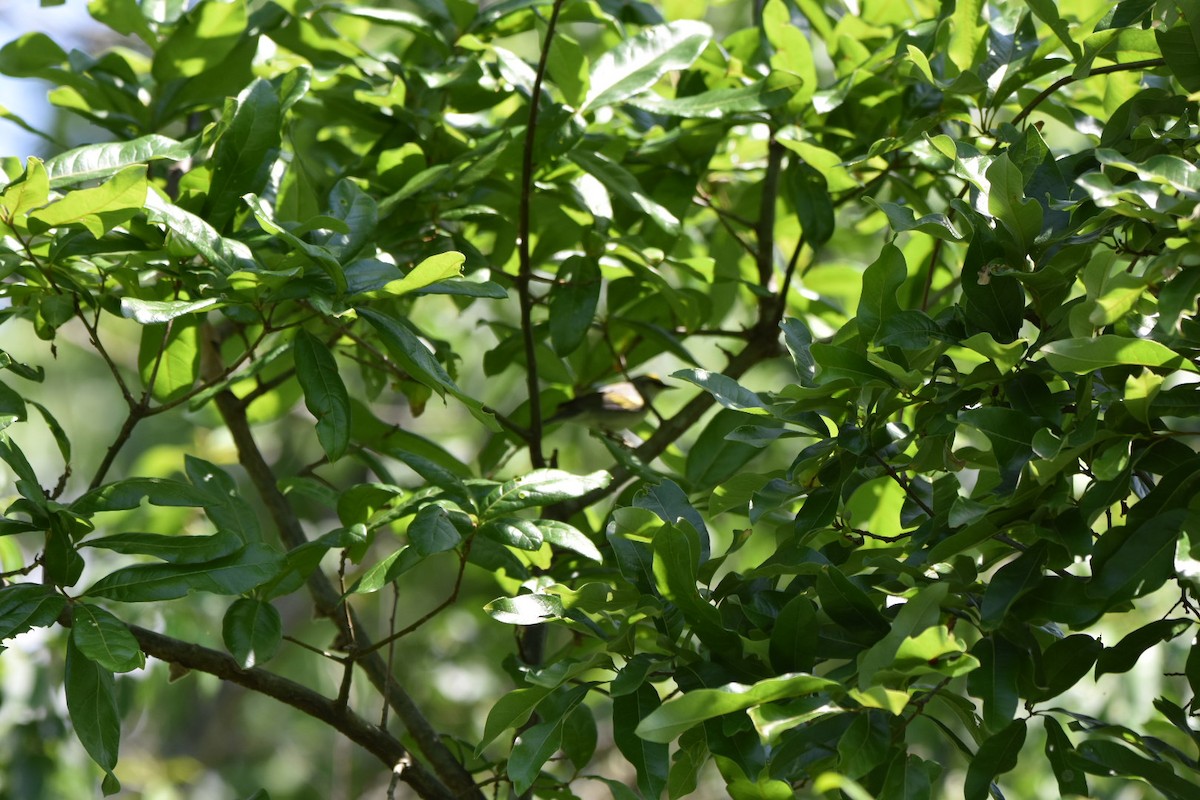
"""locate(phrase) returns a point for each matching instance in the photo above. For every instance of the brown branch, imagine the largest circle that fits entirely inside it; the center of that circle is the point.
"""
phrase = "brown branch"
(1148, 63)
(326, 599)
(377, 741)
(525, 268)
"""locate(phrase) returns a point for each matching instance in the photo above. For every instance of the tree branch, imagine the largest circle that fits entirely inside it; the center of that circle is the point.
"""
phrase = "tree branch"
(1148, 63)
(377, 741)
(326, 598)
(525, 268)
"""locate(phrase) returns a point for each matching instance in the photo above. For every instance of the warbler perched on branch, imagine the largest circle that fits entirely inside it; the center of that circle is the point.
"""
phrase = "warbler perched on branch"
(613, 407)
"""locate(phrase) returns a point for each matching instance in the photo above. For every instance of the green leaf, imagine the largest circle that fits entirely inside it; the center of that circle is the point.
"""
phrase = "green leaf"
(173, 549)
(100, 209)
(24, 606)
(794, 636)
(203, 39)
(169, 358)
(95, 161)
(525, 609)
(441, 267)
(517, 532)
(725, 390)
(881, 283)
(996, 756)
(722, 104)
(1080, 356)
(511, 711)
(403, 345)
(808, 192)
(1065, 662)
(129, 493)
(1125, 654)
(541, 487)
(150, 312)
(792, 53)
(967, 34)
(1010, 582)
(995, 681)
(124, 17)
(193, 236)
(234, 574)
(568, 537)
(1021, 217)
(252, 630)
(922, 611)
(1071, 780)
(432, 532)
(533, 748)
(104, 639)
(715, 457)
(387, 571)
(92, 704)
(679, 713)
(637, 63)
(625, 187)
(1047, 12)
(847, 604)
(903, 219)
(1180, 46)
(1143, 561)
(325, 395)
(243, 155)
(649, 758)
(572, 303)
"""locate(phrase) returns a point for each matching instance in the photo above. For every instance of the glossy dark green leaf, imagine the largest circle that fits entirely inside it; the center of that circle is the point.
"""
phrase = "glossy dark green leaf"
(387, 570)
(416, 359)
(798, 339)
(129, 493)
(1065, 662)
(240, 572)
(1180, 45)
(324, 393)
(242, 157)
(1125, 654)
(104, 639)
(1142, 562)
(92, 704)
(881, 283)
(568, 537)
(252, 630)
(540, 488)
(725, 390)
(572, 303)
(1010, 582)
(909, 777)
(1071, 779)
(580, 736)
(809, 195)
(432, 532)
(523, 534)
(714, 457)
(97, 161)
(995, 681)
(997, 755)
(511, 712)
(649, 758)
(24, 606)
(676, 563)
(173, 549)
(1113, 758)
(847, 604)
(794, 636)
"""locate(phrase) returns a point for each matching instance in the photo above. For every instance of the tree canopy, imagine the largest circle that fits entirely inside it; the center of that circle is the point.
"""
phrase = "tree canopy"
(284, 335)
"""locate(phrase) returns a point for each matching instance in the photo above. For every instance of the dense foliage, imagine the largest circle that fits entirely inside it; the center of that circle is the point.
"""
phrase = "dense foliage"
(924, 276)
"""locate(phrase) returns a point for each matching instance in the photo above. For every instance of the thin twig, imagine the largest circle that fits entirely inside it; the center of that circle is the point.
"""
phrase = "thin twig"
(1149, 63)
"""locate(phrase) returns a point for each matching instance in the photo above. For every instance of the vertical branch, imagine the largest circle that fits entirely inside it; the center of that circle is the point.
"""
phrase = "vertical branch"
(765, 253)
(525, 268)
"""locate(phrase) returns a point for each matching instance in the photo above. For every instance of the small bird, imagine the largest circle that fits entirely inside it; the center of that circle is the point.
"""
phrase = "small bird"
(613, 407)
